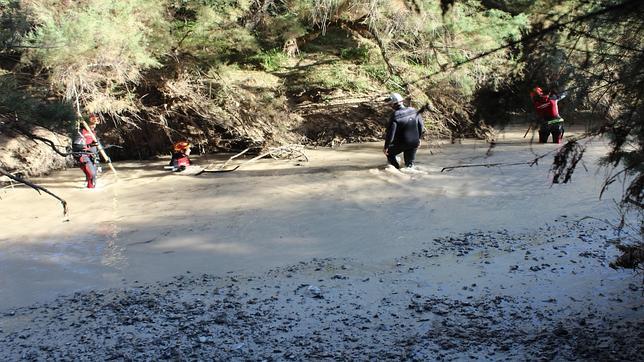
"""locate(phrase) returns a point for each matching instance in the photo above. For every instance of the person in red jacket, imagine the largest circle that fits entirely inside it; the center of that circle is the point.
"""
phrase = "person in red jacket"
(547, 108)
(85, 151)
(180, 156)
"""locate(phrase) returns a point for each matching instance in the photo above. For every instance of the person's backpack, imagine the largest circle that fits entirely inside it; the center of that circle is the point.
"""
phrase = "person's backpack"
(78, 144)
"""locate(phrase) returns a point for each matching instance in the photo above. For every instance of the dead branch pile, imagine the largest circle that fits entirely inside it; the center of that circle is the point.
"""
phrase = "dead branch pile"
(288, 152)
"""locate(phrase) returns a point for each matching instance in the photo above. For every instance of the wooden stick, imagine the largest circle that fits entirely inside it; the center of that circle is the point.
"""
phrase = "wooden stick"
(488, 165)
(226, 163)
(257, 157)
(35, 187)
(100, 147)
(232, 158)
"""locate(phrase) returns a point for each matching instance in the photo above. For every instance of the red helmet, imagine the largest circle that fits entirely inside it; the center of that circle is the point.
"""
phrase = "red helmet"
(181, 146)
(538, 90)
(93, 119)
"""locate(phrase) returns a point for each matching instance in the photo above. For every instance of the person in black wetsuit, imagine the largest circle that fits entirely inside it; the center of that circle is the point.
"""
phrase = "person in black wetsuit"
(403, 132)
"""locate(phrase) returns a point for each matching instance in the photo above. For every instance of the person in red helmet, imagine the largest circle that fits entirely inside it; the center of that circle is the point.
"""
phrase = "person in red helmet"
(85, 151)
(180, 156)
(546, 106)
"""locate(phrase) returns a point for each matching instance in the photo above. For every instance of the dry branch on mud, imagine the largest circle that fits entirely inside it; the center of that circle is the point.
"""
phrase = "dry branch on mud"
(35, 187)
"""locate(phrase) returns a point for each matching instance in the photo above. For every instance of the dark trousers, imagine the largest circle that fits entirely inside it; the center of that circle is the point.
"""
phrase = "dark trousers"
(408, 152)
(556, 130)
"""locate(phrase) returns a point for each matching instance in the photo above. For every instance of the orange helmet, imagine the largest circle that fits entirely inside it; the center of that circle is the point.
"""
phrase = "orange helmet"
(181, 146)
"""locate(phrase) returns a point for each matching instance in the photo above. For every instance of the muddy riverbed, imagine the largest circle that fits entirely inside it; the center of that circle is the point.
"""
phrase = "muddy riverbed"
(334, 258)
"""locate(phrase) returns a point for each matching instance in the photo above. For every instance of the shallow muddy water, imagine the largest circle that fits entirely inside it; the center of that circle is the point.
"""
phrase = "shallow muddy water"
(149, 224)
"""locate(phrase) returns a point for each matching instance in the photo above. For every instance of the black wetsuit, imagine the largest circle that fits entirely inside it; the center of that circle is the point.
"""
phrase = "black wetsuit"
(403, 135)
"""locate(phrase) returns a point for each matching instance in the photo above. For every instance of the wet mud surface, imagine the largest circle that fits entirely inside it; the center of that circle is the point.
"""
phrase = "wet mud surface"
(339, 258)
(481, 295)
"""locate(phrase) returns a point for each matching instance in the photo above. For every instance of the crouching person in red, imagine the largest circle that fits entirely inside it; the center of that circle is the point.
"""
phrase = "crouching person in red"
(85, 151)
(180, 156)
(547, 108)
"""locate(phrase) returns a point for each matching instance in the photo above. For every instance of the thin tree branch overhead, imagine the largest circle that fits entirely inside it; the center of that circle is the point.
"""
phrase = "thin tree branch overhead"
(625, 6)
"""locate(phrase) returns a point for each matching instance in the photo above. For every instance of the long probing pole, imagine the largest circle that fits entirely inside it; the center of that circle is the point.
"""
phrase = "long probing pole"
(98, 144)
(100, 147)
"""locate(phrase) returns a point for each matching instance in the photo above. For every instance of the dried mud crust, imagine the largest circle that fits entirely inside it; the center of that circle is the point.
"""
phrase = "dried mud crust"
(335, 309)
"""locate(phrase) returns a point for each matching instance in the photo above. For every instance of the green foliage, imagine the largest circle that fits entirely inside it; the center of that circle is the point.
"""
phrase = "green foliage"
(476, 30)
(213, 34)
(423, 42)
(514, 7)
(338, 76)
(94, 48)
(13, 24)
(17, 102)
(271, 60)
(377, 72)
(463, 83)
(358, 54)
(281, 28)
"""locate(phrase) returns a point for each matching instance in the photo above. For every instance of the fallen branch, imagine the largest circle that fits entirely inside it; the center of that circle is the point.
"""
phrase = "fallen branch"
(531, 163)
(288, 152)
(44, 140)
(449, 168)
(217, 171)
(262, 155)
(206, 169)
(35, 187)
(281, 152)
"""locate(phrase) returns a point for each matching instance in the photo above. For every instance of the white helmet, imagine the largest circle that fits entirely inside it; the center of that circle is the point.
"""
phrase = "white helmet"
(394, 98)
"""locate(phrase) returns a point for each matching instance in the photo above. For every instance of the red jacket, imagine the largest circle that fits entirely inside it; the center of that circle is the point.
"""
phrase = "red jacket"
(546, 106)
(180, 159)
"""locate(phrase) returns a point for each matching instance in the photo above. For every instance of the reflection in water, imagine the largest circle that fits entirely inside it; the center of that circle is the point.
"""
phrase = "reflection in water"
(114, 253)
